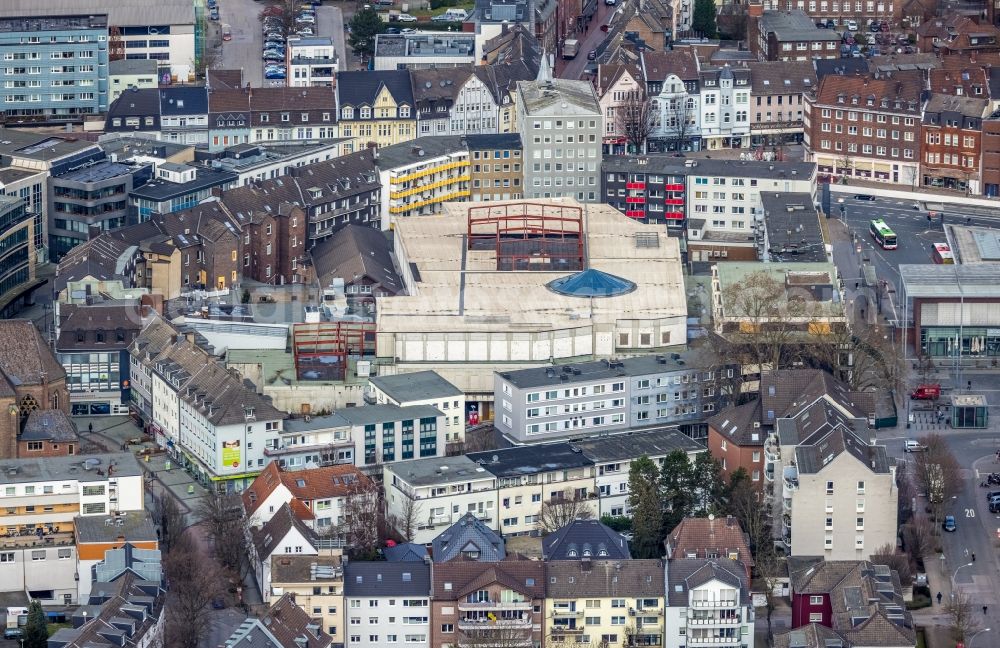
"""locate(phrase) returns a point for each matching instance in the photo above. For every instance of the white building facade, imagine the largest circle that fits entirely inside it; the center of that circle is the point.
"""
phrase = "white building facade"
(708, 604)
(725, 107)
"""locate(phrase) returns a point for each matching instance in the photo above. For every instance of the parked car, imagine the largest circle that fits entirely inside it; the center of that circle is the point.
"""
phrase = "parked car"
(305, 19)
(212, 4)
(591, 55)
(830, 24)
(611, 3)
(874, 26)
(912, 445)
(852, 25)
(864, 197)
(271, 55)
(408, 30)
(213, 14)
(949, 524)
(404, 17)
(821, 25)
(275, 73)
(392, 30)
(13, 633)
(884, 26)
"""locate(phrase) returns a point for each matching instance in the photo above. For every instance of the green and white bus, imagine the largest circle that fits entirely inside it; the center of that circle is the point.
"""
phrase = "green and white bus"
(882, 234)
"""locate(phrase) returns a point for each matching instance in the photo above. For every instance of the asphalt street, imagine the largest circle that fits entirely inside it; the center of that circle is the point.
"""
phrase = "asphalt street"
(243, 51)
(589, 40)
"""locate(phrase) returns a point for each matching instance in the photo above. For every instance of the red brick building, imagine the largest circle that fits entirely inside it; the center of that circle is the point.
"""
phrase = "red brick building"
(952, 142)
(48, 433)
(709, 538)
(866, 127)
(736, 440)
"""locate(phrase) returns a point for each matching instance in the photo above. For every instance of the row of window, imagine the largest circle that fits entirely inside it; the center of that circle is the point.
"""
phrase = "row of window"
(867, 131)
(36, 556)
(366, 112)
(866, 148)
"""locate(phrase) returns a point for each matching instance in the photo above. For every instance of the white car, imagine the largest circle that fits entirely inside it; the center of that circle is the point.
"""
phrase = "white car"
(852, 26)
(611, 3)
(407, 30)
(406, 18)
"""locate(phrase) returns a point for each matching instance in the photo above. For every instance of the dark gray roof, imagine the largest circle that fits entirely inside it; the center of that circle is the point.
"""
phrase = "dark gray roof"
(132, 66)
(387, 579)
(361, 88)
(653, 442)
(531, 460)
(419, 150)
(585, 539)
(793, 228)
(581, 372)
(494, 141)
(75, 467)
(184, 101)
(134, 526)
(80, 326)
(604, 578)
(781, 77)
(136, 102)
(49, 425)
(667, 164)
(274, 530)
(420, 385)
(469, 534)
(40, 146)
(160, 190)
(794, 25)
(686, 573)
(406, 552)
(102, 170)
(736, 423)
(357, 251)
(814, 458)
(846, 67)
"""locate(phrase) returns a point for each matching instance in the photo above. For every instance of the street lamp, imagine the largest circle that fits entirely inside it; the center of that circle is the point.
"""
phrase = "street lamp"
(969, 643)
(954, 574)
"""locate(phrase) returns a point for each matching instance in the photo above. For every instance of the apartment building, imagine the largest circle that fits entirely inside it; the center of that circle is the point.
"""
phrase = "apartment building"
(990, 146)
(126, 74)
(184, 114)
(284, 625)
(206, 418)
(32, 379)
(736, 440)
(318, 496)
(867, 128)
(468, 539)
(952, 133)
(375, 107)
(708, 538)
(436, 493)
(488, 603)
(776, 101)
(17, 255)
(620, 89)
(283, 534)
(561, 126)
(725, 106)
(92, 346)
(708, 603)
(605, 601)
(96, 535)
(425, 388)
(613, 455)
(423, 50)
(92, 196)
(44, 501)
(580, 400)
(841, 13)
(176, 186)
(789, 36)
(497, 166)
(672, 84)
(387, 603)
(312, 62)
(529, 476)
(316, 584)
(417, 177)
(56, 67)
(271, 115)
(650, 189)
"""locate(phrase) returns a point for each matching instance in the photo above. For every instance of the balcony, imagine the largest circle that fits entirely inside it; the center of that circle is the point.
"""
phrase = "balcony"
(482, 623)
(565, 630)
(714, 621)
(769, 473)
(566, 614)
(713, 641)
(714, 604)
(786, 504)
(27, 540)
(790, 478)
(771, 451)
(468, 606)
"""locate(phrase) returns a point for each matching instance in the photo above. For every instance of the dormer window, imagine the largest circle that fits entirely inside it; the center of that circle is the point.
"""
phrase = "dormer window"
(404, 112)
(347, 112)
(99, 335)
(366, 112)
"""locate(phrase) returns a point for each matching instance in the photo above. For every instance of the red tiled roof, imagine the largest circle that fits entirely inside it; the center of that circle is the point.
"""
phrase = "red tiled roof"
(702, 535)
(327, 482)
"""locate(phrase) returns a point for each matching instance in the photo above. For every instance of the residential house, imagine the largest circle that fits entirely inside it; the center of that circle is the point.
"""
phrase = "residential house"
(92, 346)
(485, 602)
(497, 166)
(48, 433)
(952, 134)
(855, 602)
(184, 114)
(356, 264)
(709, 538)
(736, 440)
(285, 625)
(621, 93)
(530, 476)
(435, 93)
(725, 106)
(605, 600)
(613, 454)
(435, 493)
(32, 379)
(468, 539)
(135, 111)
(958, 34)
(316, 584)
(317, 496)
(776, 101)
(387, 603)
(126, 74)
(417, 177)
(789, 36)
(552, 115)
(584, 540)
(422, 388)
(312, 63)
(284, 533)
(376, 108)
(708, 602)
(673, 86)
(867, 128)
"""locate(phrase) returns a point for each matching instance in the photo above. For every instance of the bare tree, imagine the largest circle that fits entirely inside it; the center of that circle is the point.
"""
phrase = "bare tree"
(899, 562)
(221, 515)
(406, 522)
(918, 538)
(862, 356)
(962, 615)
(557, 513)
(495, 637)
(635, 119)
(768, 571)
(193, 584)
(937, 473)
(678, 121)
(169, 518)
(364, 524)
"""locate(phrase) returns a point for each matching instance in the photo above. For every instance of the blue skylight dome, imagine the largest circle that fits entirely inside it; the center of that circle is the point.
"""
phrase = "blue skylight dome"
(591, 283)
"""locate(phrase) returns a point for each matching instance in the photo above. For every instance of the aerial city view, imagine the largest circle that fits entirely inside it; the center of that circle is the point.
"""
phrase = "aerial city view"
(500, 323)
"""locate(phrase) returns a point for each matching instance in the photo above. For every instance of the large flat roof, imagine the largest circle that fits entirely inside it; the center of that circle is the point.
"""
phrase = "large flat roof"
(652, 442)
(420, 385)
(461, 290)
(531, 459)
(121, 13)
(78, 467)
(439, 470)
(925, 280)
(585, 372)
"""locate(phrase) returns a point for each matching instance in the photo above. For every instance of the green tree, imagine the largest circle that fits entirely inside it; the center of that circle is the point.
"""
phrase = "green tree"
(703, 21)
(675, 488)
(365, 25)
(36, 633)
(644, 503)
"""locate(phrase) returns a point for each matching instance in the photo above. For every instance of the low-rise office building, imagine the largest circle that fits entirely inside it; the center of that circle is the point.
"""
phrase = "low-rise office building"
(497, 166)
(424, 50)
(17, 255)
(789, 36)
(175, 187)
(417, 177)
(422, 388)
